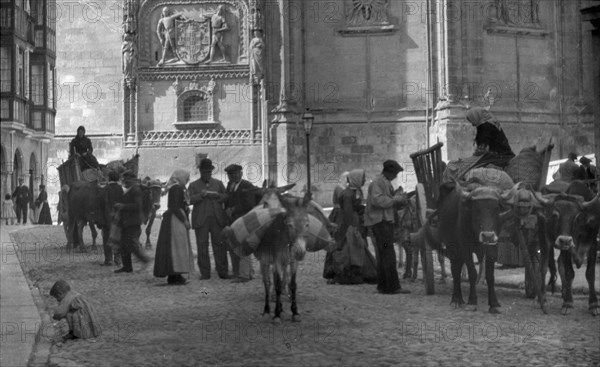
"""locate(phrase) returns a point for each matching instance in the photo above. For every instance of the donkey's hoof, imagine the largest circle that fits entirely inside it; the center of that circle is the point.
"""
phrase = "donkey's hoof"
(565, 311)
(595, 311)
(296, 318)
(276, 320)
(494, 310)
(457, 304)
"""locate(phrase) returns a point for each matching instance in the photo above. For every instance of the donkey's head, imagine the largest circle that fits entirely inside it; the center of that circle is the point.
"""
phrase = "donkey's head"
(296, 221)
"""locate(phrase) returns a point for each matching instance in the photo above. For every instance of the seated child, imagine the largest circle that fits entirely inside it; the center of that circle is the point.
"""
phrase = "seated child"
(8, 210)
(80, 315)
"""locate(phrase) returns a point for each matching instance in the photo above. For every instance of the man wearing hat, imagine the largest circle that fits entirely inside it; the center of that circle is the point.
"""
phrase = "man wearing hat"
(208, 196)
(131, 207)
(22, 198)
(566, 170)
(379, 216)
(587, 171)
(241, 198)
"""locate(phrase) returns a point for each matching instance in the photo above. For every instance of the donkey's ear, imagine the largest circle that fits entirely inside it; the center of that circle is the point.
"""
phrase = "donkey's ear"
(264, 186)
(307, 198)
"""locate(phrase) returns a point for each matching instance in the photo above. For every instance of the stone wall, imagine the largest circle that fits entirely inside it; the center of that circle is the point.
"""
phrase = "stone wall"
(88, 66)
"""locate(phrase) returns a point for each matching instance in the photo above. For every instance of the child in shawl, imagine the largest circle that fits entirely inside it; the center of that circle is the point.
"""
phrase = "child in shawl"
(8, 210)
(79, 313)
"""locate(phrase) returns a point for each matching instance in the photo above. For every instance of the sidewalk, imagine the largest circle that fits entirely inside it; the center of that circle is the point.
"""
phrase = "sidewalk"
(19, 316)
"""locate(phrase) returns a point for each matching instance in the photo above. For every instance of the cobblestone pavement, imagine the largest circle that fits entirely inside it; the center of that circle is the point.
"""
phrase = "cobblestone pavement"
(215, 322)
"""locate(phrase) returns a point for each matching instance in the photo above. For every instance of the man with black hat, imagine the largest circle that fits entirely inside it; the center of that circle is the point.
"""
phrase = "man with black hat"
(22, 198)
(208, 217)
(379, 215)
(131, 207)
(587, 171)
(241, 198)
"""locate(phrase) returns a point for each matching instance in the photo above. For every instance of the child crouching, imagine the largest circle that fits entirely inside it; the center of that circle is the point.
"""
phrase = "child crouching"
(79, 313)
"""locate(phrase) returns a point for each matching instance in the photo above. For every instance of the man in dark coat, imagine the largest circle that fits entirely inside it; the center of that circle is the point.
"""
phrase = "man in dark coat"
(241, 198)
(382, 201)
(22, 199)
(81, 147)
(587, 171)
(109, 196)
(131, 208)
(208, 195)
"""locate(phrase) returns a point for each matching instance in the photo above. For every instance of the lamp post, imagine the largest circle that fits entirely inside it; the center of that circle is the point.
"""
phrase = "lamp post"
(307, 120)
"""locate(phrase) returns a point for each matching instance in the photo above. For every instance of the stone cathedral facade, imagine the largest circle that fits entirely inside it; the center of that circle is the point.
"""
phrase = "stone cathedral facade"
(178, 80)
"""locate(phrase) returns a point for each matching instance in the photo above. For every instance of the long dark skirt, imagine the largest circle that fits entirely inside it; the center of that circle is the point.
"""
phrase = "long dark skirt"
(173, 249)
(45, 216)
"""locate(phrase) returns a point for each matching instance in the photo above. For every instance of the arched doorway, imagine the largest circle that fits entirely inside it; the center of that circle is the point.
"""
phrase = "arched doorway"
(17, 168)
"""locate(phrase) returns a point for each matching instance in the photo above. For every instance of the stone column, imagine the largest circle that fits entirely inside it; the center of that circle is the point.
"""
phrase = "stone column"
(592, 14)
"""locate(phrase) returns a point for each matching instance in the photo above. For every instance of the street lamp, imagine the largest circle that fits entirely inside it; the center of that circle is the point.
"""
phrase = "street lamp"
(307, 120)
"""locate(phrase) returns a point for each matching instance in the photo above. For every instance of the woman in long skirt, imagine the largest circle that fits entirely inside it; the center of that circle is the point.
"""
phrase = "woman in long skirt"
(173, 250)
(41, 204)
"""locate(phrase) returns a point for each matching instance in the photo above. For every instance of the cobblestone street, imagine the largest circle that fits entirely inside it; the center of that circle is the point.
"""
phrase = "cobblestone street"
(217, 323)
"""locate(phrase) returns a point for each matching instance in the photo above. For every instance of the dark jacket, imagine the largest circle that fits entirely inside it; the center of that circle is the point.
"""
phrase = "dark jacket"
(108, 197)
(80, 145)
(242, 200)
(21, 195)
(205, 207)
(493, 137)
(132, 212)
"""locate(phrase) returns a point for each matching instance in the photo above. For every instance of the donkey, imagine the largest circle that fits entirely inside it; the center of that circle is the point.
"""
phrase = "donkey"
(282, 246)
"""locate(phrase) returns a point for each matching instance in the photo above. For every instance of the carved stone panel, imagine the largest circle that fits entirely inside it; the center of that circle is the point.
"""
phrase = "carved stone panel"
(367, 17)
(184, 33)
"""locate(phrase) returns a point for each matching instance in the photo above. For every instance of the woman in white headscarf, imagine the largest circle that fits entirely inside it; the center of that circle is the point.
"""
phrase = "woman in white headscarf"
(173, 250)
(351, 261)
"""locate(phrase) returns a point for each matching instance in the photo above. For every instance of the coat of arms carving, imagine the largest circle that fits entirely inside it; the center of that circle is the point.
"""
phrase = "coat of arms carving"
(193, 40)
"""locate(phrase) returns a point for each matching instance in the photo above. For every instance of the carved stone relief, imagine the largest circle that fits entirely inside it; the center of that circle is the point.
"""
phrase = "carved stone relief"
(184, 33)
(367, 16)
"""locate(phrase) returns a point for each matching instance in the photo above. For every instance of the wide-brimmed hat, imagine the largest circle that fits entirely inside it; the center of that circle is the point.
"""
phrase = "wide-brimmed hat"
(233, 168)
(392, 166)
(206, 165)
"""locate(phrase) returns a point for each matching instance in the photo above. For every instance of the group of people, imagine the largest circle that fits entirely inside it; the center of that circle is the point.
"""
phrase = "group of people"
(16, 206)
(351, 262)
(214, 206)
(569, 171)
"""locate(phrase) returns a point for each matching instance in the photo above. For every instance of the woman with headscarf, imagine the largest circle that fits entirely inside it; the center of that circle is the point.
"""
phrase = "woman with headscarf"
(490, 140)
(173, 250)
(352, 256)
(42, 204)
(335, 217)
(81, 147)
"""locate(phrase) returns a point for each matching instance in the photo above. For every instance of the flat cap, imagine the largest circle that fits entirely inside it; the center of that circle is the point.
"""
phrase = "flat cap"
(233, 168)
(392, 166)
(585, 160)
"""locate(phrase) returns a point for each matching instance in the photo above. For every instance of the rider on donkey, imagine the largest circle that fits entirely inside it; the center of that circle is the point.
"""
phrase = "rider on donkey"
(81, 147)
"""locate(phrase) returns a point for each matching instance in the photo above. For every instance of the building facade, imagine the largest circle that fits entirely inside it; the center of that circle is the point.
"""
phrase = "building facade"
(28, 102)
(176, 80)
